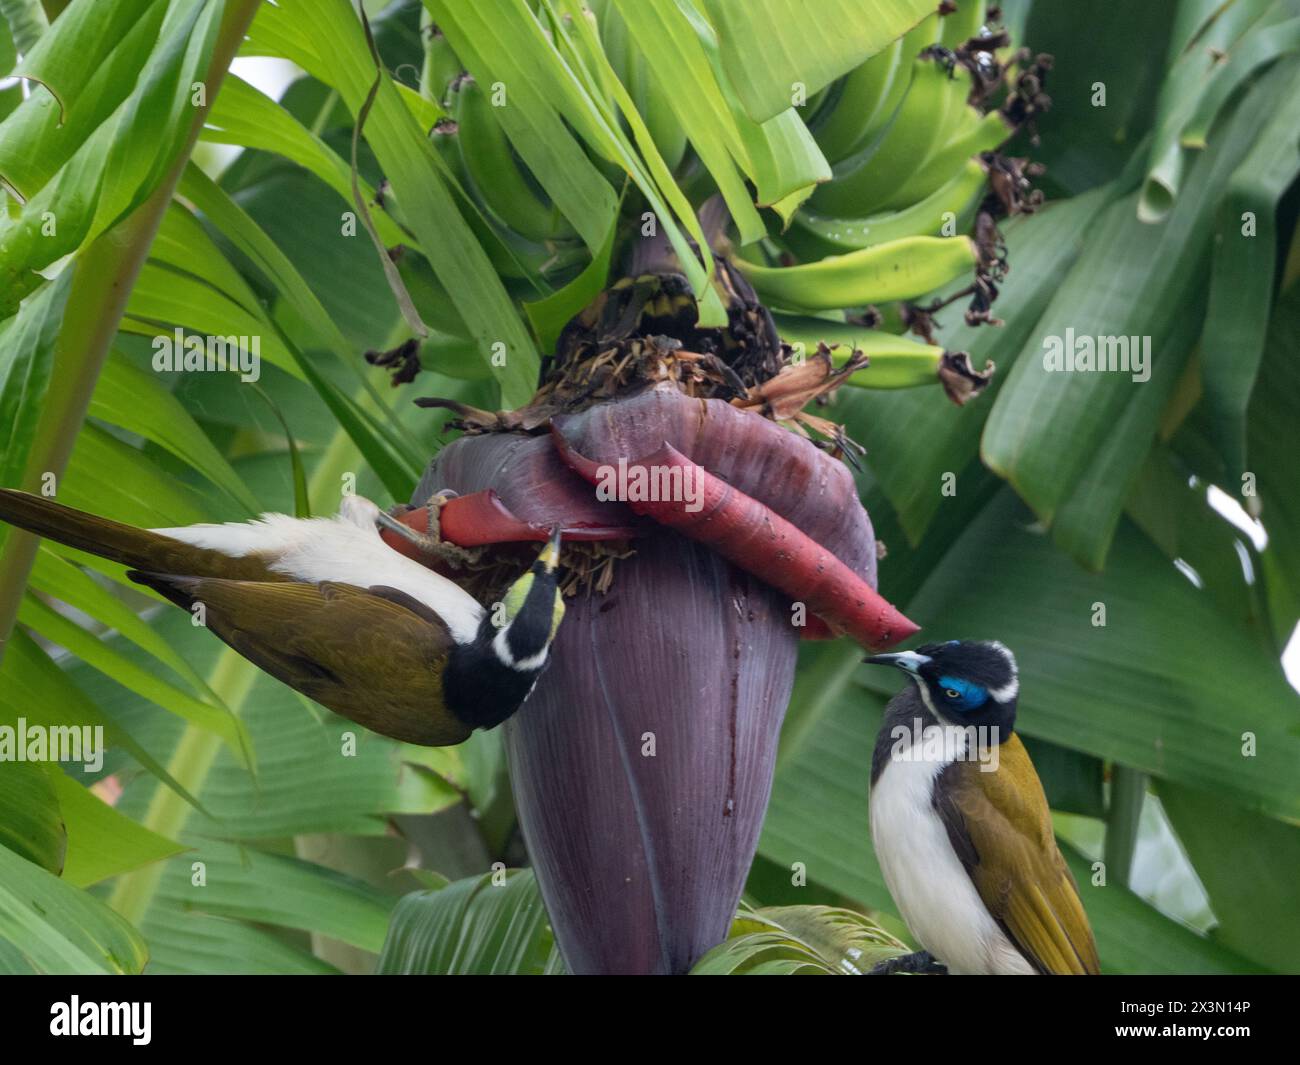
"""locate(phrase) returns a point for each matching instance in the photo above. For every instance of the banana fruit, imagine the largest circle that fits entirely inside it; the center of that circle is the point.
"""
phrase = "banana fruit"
(505, 189)
(871, 126)
(962, 24)
(892, 361)
(440, 67)
(942, 213)
(930, 114)
(525, 237)
(898, 270)
(914, 135)
(838, 125)
(631, 67)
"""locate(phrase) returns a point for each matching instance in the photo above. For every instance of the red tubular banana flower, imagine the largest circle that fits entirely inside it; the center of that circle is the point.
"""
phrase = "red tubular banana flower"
(742, 528)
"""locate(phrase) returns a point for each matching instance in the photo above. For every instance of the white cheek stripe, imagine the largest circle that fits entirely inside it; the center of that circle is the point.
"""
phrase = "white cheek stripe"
(924, 690)
(533, 661)
(502, 648)
(1011, 688)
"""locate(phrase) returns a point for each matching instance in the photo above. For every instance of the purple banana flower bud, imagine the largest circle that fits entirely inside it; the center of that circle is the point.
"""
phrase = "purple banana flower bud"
(642, 763)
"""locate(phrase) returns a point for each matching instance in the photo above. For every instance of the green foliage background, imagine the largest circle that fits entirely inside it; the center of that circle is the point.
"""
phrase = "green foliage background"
(1073, 490)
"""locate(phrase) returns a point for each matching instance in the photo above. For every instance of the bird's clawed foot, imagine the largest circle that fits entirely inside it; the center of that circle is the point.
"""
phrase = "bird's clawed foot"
(922, 962)
(431, 542)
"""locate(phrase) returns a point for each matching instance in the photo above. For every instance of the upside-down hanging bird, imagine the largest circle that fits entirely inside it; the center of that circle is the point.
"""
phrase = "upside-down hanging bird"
(961, 826)
(327, 607)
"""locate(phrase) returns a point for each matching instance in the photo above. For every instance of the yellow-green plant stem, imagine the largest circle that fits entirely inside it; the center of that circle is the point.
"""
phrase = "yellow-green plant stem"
(104, 276)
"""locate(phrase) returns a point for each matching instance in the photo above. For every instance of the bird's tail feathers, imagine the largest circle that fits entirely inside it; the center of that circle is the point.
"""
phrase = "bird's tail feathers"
(75, 528)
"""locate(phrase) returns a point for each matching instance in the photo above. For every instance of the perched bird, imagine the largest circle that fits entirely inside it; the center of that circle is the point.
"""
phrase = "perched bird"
(324, 605)
(961, 826)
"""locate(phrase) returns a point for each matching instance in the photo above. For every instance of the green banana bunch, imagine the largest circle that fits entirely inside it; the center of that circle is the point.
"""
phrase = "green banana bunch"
(506, 191)
(631, 67)
(838, 126)
(894, 154)
(913, 135)
(932, 115)
(541, 264)
(866, 99)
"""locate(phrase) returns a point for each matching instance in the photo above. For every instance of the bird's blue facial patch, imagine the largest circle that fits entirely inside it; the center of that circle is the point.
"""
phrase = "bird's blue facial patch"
(961, 694)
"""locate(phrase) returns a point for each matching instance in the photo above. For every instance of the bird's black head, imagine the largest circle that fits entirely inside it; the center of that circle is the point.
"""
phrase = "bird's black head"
(963, 682)
(533, 609)
(488, 679)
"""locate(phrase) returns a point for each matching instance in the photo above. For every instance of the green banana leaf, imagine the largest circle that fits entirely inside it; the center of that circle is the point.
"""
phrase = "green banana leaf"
(799, 941)
(1249, 866)
(771, 46)
(1072, 443)
(1085, 144)
(30, 821)
(495, 924)
(1241, 279)
(1226, 51)
(25, 21)
(102, 842)
(1274, 437)
(122, 160)
(52, 927)
(409, 163)
(491, 924)
(26, 354)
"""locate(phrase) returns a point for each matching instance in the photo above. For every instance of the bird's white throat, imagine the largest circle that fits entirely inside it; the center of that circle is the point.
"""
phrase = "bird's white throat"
(941, 744)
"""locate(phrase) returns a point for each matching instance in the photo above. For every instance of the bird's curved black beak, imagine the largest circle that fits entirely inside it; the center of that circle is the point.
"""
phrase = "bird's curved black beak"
(907, 661)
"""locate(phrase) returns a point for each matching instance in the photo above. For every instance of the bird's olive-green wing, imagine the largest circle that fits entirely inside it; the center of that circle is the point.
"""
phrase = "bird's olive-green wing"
(1001, 828)
(376, 656)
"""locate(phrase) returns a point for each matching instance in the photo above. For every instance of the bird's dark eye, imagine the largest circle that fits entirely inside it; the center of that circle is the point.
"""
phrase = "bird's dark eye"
(952, 693)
